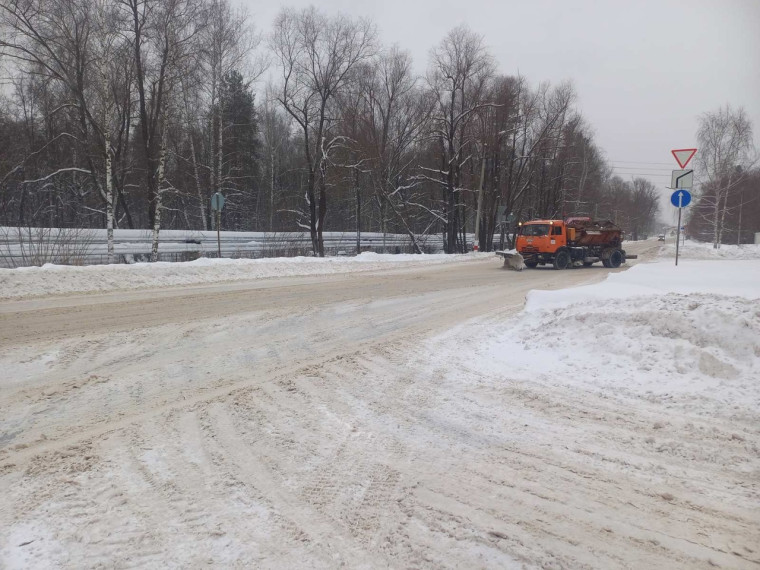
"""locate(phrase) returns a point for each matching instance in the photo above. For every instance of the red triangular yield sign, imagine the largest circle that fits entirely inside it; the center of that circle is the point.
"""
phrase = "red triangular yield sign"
(683, 155)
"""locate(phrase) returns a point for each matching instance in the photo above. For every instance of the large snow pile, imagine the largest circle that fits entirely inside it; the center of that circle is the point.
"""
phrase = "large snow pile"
(704, 250)
(689, 333)
(26, 282)
(740, 278)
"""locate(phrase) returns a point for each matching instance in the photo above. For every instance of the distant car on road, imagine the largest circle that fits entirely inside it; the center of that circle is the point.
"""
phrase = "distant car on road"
(661, 237)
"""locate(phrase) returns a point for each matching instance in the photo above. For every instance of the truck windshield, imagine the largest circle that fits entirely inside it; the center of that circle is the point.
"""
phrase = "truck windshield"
(534, 230)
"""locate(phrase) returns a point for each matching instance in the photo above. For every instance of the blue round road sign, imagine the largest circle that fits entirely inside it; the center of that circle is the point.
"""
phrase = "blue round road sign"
(682, 196)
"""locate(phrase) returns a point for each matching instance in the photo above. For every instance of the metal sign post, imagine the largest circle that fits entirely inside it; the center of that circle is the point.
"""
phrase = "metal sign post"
(680, 199)
(219, 234)
(680, 180)
(678, 230)
(217, 203)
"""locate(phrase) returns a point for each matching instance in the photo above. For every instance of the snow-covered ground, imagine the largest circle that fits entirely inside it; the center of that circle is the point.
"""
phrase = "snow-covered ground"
(689, 333)
(374, 423)
(26, 282)
(649, 380)
(704, 250)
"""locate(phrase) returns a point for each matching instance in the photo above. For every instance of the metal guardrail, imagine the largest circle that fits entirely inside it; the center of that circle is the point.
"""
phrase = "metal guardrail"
(36, 246)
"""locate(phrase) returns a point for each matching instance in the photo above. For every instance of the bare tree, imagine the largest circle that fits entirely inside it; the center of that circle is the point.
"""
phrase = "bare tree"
(644, 206)
(111, 86)
(77, 45)
(387, 123)
(276, 141)
(190, 103)
(459, 69)
(317, 55)
(524, 138)
(163, 34)
(725, 147)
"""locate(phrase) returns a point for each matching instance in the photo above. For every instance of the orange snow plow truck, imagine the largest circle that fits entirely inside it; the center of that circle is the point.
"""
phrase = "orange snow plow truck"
(571, 243)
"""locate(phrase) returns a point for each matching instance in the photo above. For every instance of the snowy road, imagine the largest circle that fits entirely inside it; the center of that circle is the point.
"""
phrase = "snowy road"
(301, 422)
(477, 282)
(97, 359)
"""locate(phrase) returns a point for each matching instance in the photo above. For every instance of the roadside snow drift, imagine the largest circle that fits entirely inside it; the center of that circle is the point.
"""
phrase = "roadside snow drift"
(691, 331)
(704, 250)
(25, 282)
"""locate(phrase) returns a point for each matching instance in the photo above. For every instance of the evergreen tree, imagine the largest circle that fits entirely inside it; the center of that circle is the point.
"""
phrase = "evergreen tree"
(240, 153)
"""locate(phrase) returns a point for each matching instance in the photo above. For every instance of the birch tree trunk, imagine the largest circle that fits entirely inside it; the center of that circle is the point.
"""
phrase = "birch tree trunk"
(160, 183)
(109, 197)
(220, 141)
(358, 213)
(194, 157)
(383, 227)
(271, 189)
(198, 190)
(716, 214)
(723, 215)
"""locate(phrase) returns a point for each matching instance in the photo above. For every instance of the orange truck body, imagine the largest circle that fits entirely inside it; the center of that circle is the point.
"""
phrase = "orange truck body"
(571, 243)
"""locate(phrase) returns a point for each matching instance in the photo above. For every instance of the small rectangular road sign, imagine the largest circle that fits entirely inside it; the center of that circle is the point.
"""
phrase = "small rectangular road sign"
(682, 179)
(217, 202)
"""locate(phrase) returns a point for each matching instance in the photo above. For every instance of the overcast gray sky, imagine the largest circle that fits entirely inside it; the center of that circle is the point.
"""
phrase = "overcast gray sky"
(644, 70)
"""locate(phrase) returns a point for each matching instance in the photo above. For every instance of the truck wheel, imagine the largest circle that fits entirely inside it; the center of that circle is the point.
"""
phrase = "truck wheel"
(606, 257)
(531, 264)
(561, 260)
(616, 259)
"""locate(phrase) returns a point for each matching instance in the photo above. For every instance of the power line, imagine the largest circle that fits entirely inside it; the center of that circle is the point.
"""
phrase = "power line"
(642, 168)
(639, 162)
(657, 174)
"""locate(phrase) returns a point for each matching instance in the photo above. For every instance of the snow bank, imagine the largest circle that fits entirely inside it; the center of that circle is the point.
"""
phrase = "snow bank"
(690, 333)
(741, 278)
(704, 250)
(26, 282)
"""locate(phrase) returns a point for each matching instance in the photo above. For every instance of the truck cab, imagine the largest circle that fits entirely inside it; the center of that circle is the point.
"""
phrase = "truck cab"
(541, 236)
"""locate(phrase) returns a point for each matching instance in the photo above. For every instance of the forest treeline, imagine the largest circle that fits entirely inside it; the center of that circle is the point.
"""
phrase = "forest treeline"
(133, 113)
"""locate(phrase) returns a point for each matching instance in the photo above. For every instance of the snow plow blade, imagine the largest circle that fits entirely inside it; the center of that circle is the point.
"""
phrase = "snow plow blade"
(512, 260)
